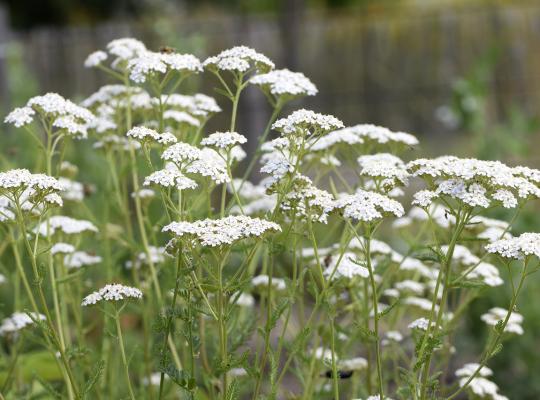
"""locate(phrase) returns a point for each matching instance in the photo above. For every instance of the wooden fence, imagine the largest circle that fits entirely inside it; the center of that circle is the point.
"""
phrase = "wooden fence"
(393, 67)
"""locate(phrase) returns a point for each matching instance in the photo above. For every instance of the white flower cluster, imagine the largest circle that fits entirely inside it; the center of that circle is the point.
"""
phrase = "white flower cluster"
(112, 292)
(322, 353)
(277, 166)
(487, 273)
(224, 140)
(353, 364)
(368, 206)
(483, 271)
(17, 180)
(126, 48)
(146, 135)
(497, 314)
(33, 192)
(123, 49)
(149, 63)
(420, 323)
(264, 280)
(224, 231)
(372, 134)
(181, 117)
(80, 259)
(71, 190)
(67, 225)
(157, 256)
(479, 385)
(20, 116)
(343, 136)
(65, 115)
(345, 266)
(527, 244)
(306, 200)
(107, 94)
(243, 300)
(410, 286)
(95, 58)
(437, 213)
(239, 59)
(170, 176)
(110, 98)
(285, 83)
(62, 248)
(181, 153)
(199, 105)
(18, 321)
(190, 159)
(306, 123)
(474, 182)
(490, 229)
(391, 170)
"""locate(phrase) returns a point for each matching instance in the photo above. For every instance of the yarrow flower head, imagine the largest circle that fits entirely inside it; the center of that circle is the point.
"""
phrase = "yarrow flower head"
(353, 364)
(80, 259)
(517, 248)
(210, 164)
(64, 115)
(475, 183)
(224, 231)
(380, 135)
(170, 176)
(181, 118)
(285, 84)
(345, 266)
(307, 123)
(157, 256)
(147, 135)
(112, 292)
(33, 192)
(264, 280)
(71, 190)
(198, 105)
(126, 48)
(480, 386)
(387, 168)
(420, 323)
(498, 314)
(239, 59)
(192, 160)
(148, 64)
(18, 321)
(122, 50)
(368, 206)
(20, 116)
(94, 59)
(224, 140)
(306, 200)
(62, 248)
(180, 153)
(66, 225)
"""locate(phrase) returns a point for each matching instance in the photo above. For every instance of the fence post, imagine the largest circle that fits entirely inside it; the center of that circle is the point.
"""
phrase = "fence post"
(4, 40)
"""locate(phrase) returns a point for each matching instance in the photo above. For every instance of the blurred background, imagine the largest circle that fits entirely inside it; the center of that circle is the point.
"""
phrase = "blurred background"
(463, 75)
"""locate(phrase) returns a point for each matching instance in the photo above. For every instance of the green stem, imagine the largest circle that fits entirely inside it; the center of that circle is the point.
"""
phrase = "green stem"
(334, 363)
(222, 329)
(123, 353)
(375, 300)
(488, 353)
(170, 318)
